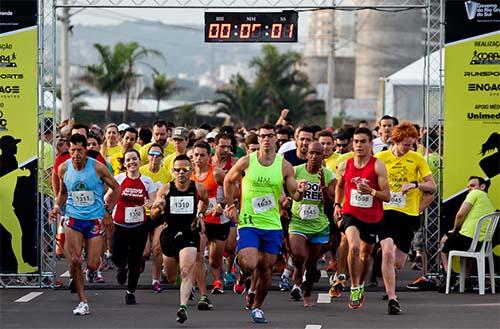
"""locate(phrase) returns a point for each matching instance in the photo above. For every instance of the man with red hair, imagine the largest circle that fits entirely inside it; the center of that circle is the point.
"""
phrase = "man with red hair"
(408, 172)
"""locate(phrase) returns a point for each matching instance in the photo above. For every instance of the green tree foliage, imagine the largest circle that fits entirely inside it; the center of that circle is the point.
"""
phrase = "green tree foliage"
(161, 88)
(279, 84)
(133, 54)
(108, 76)
(242, 101)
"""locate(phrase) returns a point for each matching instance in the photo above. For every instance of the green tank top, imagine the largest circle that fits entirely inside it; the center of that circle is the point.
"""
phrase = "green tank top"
(260, 191)
(308, 215)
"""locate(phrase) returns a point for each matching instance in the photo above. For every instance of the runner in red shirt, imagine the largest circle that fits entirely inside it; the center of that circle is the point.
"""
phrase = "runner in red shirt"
(362, 183)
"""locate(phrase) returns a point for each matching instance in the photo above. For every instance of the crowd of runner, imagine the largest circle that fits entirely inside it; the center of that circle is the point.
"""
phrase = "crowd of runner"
(239, 199)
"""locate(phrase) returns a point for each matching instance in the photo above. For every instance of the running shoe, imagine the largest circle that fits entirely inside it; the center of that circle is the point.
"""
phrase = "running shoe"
(296, 293)
(250, 297)
(182, 314)
(393, 307)
(355, 301)
(239, 286)
(99, 278)
(285, 283)
(121, 275)
(90, 275)
(157, 287)
(191, 295)
(258, 316)
(204, 304)
(229, 278)
(337, 287)
(71, 286)
(217, 288)
(82, 309)
(130, 299)
(418, 284)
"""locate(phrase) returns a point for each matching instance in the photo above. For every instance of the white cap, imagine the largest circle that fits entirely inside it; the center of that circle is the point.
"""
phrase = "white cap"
(123, 126)
(211, 134)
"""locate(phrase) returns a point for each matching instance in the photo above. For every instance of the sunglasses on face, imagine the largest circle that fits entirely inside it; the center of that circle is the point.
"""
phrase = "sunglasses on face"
(155, 153)
(342, 145)
(267, 135)
(181, 169)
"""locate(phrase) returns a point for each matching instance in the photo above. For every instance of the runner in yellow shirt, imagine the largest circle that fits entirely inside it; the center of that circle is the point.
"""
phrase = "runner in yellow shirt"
(401, 213)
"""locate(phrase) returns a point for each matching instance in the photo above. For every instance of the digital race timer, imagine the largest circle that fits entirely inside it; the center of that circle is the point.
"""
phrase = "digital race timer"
(251, 27)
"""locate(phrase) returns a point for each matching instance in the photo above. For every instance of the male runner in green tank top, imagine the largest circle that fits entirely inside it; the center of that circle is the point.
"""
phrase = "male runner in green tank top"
(259, 225)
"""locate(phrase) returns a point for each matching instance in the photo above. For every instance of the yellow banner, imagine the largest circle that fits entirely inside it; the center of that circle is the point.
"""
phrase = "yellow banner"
(472, 114)
(18, 144)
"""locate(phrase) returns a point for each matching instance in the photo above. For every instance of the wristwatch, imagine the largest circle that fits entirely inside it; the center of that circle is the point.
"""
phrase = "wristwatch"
(416, 183)
(109, 211)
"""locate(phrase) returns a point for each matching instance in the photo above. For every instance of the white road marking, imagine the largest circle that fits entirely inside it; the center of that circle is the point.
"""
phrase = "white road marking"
(324, 274)
(28, 297)
(313, 326)
(324, 299)
(65, 275)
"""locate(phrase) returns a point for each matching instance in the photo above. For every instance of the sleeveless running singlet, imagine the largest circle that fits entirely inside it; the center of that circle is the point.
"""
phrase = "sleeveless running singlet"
(181, 208)
(362, 206)
(261, 189)
(211, 187)
(85, 192)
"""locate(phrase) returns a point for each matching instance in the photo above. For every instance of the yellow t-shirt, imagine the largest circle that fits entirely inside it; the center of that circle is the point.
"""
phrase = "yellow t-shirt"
(481, 205)
(340, 159)
(116, 149)
(110, 151)
(402, 170)
(168, 162)
(159, 178)
(331, 160)
(116, 165)
(168, 149)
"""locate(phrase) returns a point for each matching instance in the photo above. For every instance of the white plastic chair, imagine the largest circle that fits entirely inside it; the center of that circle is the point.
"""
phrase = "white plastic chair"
(485, 251)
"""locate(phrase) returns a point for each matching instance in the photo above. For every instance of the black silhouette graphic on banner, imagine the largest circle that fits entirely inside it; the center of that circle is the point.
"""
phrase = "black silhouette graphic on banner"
(18, 212)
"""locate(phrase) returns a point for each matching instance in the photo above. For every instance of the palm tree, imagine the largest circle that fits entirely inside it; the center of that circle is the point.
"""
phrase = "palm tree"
(162, 88)
(75, 92)
(133, 54)
(242, 101)
(108, 77)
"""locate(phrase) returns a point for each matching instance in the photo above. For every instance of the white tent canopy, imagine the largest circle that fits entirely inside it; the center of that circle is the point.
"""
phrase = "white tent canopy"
(404, 90)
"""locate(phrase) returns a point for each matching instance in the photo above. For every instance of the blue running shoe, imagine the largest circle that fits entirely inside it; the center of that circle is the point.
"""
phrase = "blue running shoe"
(258, 316)
(285, 284)
(229, 278)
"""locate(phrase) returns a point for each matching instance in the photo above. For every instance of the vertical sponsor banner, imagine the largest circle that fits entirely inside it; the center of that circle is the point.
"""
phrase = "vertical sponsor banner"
(471, 100)
(18, 136)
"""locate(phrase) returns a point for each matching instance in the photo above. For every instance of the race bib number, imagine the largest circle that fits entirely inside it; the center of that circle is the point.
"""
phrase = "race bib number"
(263, 203)
(134, 215)
(398, 200)
(82, 198)
(361, 200)
(212, 203)
(309, 211)
(182, 205)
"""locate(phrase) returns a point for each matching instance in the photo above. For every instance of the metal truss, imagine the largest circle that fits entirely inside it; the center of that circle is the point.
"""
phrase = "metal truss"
(47, 80)
(225, 4)
(433, 120)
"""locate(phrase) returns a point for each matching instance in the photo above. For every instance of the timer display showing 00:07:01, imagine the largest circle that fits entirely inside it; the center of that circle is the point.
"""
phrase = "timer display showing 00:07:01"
(223, 31)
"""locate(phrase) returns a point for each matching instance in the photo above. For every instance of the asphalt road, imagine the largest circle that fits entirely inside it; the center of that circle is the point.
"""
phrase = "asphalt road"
(53, 309)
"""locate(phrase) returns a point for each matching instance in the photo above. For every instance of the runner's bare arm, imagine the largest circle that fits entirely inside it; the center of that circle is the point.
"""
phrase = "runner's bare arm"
(384, 194)
(219, 175)
(232, 177)
(339, 191)
(294, 188)
(160, 201)
(110, 181)
(61, 196)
